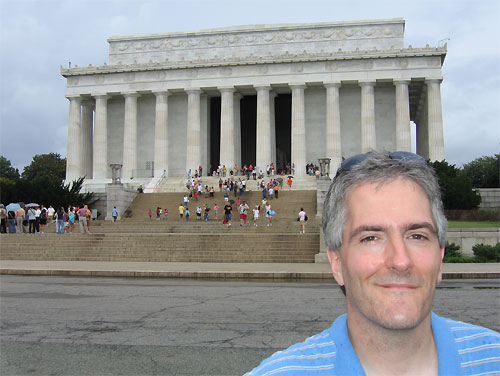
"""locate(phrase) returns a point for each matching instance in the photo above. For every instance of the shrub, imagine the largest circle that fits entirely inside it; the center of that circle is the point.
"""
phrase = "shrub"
(451, 250)
(488, 253)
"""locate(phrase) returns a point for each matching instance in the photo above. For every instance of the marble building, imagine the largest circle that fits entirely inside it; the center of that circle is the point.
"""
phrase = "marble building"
(259, 94)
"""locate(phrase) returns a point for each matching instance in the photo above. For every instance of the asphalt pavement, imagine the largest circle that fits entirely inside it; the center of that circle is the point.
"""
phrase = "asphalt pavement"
(53, 325)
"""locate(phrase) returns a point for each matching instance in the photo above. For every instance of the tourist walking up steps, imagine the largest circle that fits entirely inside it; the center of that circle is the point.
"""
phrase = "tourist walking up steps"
(302, 220)
(227, 214)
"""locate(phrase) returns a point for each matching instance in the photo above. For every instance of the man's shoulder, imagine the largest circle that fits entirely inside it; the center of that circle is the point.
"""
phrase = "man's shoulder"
(478, 347)
(316, 353)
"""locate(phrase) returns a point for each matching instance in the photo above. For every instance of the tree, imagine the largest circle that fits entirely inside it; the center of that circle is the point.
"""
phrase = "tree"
(45, 166)
(484, 172)
(456, 189)
(9, 179)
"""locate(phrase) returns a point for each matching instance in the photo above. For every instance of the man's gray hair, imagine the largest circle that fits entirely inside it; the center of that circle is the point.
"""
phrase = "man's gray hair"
(379, 168)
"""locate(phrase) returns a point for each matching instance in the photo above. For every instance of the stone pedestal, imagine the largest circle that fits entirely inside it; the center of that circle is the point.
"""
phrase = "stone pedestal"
(121, 197)
(323, 186)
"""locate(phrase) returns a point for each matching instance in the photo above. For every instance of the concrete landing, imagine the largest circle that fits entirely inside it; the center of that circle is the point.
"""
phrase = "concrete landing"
(257, 271)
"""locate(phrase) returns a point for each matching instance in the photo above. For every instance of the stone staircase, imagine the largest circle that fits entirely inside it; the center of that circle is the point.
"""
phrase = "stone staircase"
(174, 240)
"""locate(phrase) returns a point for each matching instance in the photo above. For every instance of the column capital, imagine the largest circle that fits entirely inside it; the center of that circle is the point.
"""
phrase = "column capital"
(101, 96)
(401, 82)
(76, 97)
(367, 83)
(88, 102)
(226, 89)
(437, 80)
(161, 92)
(297, 85)
(331, 84)
(131, 94)
(262, 87)
(193, 90)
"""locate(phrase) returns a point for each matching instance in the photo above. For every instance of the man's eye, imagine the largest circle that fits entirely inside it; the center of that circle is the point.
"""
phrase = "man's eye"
(369, 238)
(418, 237)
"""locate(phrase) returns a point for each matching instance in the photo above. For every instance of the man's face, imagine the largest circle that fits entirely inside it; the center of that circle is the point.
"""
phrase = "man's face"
(390, 259)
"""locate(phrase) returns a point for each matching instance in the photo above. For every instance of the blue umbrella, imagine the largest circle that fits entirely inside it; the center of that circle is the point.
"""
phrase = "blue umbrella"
(12, 207)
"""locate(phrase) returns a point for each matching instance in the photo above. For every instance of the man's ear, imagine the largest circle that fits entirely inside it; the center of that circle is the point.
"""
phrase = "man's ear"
(440, 275)
(336, 265)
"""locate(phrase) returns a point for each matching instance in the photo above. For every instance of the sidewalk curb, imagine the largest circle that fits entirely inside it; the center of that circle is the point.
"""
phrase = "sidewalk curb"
(214, 275)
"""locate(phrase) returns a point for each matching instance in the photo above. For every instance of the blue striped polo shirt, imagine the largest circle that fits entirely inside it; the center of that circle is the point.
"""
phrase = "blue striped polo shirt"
(463, 349)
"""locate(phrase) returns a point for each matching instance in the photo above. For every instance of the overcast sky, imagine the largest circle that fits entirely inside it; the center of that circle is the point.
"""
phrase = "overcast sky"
(37, 37)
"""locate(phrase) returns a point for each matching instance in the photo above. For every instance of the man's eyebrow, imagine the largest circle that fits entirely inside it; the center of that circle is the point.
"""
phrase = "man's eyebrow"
(416, 226)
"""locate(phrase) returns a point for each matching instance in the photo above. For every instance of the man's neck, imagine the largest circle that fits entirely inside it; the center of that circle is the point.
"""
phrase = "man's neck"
(394, 352)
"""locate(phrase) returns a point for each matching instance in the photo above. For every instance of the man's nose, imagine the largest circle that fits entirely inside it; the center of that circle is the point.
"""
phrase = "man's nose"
(397, 254)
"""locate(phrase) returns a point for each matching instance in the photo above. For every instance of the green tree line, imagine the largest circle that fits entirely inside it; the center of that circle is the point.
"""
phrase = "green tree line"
(42, 182)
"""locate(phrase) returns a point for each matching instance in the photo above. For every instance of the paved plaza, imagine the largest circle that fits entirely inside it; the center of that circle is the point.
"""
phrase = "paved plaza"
(88, 326)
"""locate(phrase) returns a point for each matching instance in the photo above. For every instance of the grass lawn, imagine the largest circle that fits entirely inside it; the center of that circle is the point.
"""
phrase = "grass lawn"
(470, 224)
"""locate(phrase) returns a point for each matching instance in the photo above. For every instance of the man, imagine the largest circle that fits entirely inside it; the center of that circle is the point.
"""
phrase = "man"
(82, 219)
(243, 213)
(20, 217)
(385, 233)
(114, 213)
(227, 213)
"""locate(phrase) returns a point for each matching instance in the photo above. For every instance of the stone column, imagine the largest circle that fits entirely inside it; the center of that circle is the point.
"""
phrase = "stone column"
(333, 135)
(193, 149)
(161, 134)
(227, 138)
(368, 135)
(87, 137)
(100, 157)
(435, 120)
(272, 96)
(298, 129)
(129, 169)
(237, 129)
(73, 153)
(263, 147)
(403, 135)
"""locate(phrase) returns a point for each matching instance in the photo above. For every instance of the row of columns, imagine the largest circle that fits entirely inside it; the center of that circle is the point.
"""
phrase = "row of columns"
(87, 150)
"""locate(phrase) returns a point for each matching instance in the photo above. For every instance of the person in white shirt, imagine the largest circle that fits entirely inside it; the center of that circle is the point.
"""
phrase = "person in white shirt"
(302, 220)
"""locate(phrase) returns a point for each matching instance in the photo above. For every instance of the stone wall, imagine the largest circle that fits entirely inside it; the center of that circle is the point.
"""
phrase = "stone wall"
(466, 238)
(490, 198)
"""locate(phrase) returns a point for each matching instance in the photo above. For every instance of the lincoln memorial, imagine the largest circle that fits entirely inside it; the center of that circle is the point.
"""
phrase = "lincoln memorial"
(258, 94)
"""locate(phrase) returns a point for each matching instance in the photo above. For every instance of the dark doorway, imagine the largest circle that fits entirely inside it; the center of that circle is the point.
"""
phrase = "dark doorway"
(214, 133)
(283, 121)
(248, 111)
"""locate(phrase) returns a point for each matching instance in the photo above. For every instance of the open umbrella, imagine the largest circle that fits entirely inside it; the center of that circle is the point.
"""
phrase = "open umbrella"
(22, 204)
(290, 176)
(12, 207)
(279, 180)
(32, 205)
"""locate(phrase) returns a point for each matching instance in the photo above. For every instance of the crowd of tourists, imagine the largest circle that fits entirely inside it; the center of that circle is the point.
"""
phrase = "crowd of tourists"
(34, 218)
